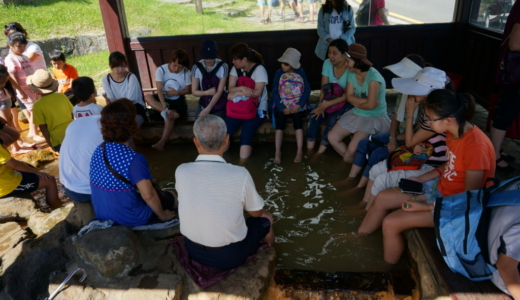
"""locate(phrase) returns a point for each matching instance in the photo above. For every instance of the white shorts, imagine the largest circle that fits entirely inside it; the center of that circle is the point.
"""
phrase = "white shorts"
(384, 180)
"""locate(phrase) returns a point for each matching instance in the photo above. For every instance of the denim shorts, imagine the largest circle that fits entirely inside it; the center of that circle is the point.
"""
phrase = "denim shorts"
(249, 128)
(264, 2)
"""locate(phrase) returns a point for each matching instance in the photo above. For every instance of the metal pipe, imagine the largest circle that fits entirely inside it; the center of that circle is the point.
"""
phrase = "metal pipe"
(67, 279)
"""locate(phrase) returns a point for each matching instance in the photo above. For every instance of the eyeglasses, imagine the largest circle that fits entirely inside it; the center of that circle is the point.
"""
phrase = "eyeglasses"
(428, 122)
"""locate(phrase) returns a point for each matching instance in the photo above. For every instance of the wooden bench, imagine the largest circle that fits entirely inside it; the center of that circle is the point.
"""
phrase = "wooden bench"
(436, 279)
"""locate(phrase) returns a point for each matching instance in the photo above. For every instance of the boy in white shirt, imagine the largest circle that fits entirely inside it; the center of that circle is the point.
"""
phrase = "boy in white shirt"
(85, 90)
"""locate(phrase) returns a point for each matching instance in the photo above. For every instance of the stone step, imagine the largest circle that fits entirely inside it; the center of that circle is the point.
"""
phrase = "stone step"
(301, 284)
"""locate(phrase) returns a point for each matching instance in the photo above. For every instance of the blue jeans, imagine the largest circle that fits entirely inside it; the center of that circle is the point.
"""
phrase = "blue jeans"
(369, 153)
(314, 126)
(249, 128)
(77, 197)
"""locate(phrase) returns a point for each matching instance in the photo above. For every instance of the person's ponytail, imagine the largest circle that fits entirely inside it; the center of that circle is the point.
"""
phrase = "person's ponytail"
(445, 103)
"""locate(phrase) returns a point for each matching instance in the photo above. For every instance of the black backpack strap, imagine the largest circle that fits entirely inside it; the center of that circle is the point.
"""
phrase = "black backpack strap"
(217, 66)
(114, 172)
(250, 73)
(201, 68)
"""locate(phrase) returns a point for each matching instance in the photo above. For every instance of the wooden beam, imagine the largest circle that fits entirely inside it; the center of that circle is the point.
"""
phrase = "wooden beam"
(116, 28)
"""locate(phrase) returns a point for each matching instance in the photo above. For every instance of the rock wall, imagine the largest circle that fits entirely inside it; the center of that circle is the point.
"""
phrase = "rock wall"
(76, 45)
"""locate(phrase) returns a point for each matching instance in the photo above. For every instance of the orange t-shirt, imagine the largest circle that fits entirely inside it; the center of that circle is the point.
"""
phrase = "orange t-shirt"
(473, 151)
(65, 76)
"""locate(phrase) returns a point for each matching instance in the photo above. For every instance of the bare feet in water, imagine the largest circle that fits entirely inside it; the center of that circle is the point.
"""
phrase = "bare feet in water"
(158, 146)
(277, 157)
(299, 156)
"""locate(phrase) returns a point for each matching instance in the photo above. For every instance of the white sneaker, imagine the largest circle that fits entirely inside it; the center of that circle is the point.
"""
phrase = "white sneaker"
(164, 114)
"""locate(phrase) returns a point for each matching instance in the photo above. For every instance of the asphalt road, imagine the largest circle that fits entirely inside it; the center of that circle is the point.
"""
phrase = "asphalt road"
(417, 11)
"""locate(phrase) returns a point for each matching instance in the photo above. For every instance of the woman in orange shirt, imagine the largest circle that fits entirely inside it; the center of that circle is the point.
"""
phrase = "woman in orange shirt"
(470, 161)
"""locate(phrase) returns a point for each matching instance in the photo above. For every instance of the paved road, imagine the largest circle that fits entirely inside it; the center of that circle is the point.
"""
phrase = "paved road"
(417, 11)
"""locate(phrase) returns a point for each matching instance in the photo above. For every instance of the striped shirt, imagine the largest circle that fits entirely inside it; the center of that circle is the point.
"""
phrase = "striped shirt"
(438, 140)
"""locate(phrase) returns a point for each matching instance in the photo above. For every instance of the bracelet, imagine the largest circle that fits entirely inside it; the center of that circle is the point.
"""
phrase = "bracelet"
(438, 171)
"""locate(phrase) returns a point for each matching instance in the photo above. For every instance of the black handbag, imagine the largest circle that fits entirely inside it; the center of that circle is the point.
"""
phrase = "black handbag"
(160, 193)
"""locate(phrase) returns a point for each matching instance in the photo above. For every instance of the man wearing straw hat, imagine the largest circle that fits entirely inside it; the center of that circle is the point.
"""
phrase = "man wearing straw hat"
(53, 111)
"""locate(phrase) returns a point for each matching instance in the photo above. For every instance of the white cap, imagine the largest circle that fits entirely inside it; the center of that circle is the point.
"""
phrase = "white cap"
(404, 69)
(425, 81)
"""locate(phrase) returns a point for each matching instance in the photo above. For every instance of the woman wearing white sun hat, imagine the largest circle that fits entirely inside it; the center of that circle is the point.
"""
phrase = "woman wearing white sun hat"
(418, 88)
(376, 147)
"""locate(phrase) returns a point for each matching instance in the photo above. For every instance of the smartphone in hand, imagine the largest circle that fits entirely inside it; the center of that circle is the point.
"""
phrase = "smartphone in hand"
(410, 186)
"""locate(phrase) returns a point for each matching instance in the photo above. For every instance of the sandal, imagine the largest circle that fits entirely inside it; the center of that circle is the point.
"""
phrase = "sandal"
(262, 21)
(268, 20)
(302, 19)
(506, 157)
(507, 168)
(312, 22)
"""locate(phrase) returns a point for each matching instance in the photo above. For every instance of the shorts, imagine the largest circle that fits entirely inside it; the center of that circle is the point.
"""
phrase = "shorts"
(265, 2)
(232, 255)
(281, 120)
(384, 180)
(430, 190)
(29, 184)
(21, 104)
(508, 107)
(249, 128)
(179, 105)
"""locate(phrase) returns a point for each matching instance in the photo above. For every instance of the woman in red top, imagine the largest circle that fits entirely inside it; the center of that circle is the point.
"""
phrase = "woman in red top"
(470, 161)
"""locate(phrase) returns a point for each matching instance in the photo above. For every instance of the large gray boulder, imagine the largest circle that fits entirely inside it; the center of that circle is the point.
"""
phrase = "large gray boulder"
(113, 252)
(248, 282)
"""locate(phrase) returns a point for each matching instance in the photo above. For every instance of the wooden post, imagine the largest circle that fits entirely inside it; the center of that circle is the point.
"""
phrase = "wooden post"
(116, 28)
(198, 6)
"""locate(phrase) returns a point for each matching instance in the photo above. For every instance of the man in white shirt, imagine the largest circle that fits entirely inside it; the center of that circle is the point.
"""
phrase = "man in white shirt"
(212, 198)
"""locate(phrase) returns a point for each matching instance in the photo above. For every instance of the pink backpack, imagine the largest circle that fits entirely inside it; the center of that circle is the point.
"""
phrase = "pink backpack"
(332, 91)
(246, 109)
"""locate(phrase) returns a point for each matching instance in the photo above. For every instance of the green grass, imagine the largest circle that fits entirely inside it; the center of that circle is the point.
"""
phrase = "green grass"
(51, 18)
(94, 65)
(181, 19)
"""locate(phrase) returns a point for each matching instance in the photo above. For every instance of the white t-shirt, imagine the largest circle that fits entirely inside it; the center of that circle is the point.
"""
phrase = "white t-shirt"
(259, 75)
(504, 237)
(222, 71)
(39, 63)
(180, 80)
(212, 197)
(128, 88)
(86, 111)
(81, 139)
(335, 25)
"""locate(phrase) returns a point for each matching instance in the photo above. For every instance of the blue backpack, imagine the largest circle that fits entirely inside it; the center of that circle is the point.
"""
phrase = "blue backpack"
(462, 223)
